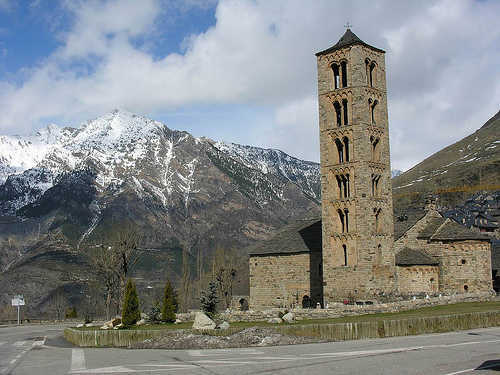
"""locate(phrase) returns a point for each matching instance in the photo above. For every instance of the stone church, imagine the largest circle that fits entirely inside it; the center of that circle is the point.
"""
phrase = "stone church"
(358, 250)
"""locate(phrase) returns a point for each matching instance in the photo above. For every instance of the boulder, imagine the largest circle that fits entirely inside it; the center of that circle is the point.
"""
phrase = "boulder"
(223, 325)
(144, 316)
(104, 327)
(113, 322)
(178, 321)
(80, 325)
(141, 322)
(275, 321)
(289, 317)
(202, 321)
(118, 326)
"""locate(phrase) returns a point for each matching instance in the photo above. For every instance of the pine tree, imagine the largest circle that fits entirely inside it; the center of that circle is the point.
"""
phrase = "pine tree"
(209, 300)
(130, 313)
(169, 304)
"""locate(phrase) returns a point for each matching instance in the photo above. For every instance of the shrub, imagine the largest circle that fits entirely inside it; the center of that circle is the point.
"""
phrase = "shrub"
(154, 315)
(209, 300)
(169, 304)
(71, 313)
(130, 312)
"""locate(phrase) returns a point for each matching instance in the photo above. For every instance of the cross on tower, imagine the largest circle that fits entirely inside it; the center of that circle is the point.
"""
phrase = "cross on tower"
(347, 25)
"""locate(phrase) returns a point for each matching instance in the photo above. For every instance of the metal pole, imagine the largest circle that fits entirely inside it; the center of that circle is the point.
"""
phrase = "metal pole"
(18, 314)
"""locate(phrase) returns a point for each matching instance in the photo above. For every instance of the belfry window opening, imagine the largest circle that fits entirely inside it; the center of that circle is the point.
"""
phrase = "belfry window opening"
(338, 113)
(343, 65)
(377, 220)
(346, 148)
(346, 116)
(344, 247)
(372, 73)
(341, 220)
(340, 150)
(336, 76)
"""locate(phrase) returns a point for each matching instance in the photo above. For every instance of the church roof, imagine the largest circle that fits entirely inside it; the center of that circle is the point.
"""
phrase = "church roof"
(403, 221)
(298, 237)
(348, 39)
(454, 231)
(431, 228)
(412, 257)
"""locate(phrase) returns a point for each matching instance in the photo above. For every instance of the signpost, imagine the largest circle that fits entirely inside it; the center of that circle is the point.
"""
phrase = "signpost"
(18, 301)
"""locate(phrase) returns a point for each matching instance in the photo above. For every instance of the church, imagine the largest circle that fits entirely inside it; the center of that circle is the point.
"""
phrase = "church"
(357, 250)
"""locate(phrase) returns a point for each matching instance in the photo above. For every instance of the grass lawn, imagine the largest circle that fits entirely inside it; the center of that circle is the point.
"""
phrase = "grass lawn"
(458, 308)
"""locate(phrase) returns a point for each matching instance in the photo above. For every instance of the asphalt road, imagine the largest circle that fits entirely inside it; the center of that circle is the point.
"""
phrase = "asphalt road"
(468, 352)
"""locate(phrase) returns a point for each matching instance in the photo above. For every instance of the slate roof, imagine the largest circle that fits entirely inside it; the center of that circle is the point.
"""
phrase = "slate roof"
(431, 228)
(495, 255)
(454, 231)
(405, 220)
(348, 39)
(301, 236)
(412, 257)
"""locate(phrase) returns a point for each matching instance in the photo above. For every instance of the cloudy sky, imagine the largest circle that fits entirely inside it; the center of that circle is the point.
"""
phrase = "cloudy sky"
(244, 70)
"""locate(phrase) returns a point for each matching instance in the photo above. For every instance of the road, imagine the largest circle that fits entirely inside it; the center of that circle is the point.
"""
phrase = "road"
(468, 352)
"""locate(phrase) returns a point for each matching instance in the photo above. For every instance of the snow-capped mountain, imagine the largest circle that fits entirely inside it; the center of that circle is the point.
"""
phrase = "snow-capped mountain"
(121, 166)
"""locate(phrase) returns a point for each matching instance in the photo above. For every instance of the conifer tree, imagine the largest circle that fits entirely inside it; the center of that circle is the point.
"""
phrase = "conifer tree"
(130, 313)
(169, 304)
(209, 300)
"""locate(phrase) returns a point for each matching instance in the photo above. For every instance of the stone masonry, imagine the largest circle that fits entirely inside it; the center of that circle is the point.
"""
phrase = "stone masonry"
(358, 253)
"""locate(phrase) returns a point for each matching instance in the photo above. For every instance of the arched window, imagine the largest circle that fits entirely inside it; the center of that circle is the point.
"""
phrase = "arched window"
(379, 254)
(338, 113)
(375, 148)
(343, 182)
(343, 65)
(347, 188)
(375, 183)
(372, 73)
(336, 76)
(341, 220)
(344, 247)
(346, 218)
(367, 69)
(346, 149)
(378, 220)
(372, 111)
(346, 115)
(340, 150)
(339, 183)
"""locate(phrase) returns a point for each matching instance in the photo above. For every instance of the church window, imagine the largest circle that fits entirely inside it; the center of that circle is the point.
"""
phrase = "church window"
(338, 113)
(378, 220)
(463, 261)
(367, 69)
(466, 288)
(344, 247)
(379, 254)
(375, 185)
(346, 215)
(343, 65)
(346, 148)
(372, 73)
(346, 115)
(340, 150)
(375, 149)
(336, 76)
(341, 220)
(372, 111)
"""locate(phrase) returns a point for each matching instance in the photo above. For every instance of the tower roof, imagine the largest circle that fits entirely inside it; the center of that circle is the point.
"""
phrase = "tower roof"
(348, 39)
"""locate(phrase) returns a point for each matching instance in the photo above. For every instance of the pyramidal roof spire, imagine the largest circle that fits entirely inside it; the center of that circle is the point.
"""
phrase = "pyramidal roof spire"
(348, 39)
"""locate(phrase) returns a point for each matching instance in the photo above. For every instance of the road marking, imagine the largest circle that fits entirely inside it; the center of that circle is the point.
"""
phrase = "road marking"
(20, 343)
(493, 365)
(77, 360)
(2, 343)
(215, 352)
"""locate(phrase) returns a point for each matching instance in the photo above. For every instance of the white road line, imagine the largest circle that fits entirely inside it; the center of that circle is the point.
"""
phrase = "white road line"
(2, 343)
(77, 360)
(460, 372)
(20, 343)
(493, 365)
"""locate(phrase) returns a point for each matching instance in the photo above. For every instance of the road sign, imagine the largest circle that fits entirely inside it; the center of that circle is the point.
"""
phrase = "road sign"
(18, 300)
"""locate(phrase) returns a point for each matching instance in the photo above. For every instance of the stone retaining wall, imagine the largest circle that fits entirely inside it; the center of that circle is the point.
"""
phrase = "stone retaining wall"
(339, 310)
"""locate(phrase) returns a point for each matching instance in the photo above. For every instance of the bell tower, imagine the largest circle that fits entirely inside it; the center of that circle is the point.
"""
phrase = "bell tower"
(357, 214)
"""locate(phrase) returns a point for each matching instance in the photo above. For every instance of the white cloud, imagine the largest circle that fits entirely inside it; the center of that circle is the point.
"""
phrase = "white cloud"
(443, 79)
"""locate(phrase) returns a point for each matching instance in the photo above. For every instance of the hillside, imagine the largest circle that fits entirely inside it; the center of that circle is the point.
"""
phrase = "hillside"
(464, 167)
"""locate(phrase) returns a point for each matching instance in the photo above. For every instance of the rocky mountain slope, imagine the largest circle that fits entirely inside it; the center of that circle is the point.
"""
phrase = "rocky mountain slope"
(469, 165)
(180, 190)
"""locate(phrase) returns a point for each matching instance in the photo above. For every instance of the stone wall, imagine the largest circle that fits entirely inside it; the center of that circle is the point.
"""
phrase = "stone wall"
(418, 279)
(370, 268)
(280, 280)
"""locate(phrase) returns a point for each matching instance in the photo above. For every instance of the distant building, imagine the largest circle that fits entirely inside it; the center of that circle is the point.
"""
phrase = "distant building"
(350, 253)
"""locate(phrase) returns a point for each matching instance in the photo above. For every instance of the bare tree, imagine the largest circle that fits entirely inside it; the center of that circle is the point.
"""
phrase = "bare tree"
(114, 259)
(224, 270)
(58, 302)
(185, 297)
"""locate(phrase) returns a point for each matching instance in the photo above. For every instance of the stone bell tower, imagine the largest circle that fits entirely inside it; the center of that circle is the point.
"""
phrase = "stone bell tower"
(357, 214)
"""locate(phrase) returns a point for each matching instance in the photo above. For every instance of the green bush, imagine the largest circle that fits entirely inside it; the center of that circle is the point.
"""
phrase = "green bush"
(209, 300)
(71, 313)
(169, 304)
(130, 313)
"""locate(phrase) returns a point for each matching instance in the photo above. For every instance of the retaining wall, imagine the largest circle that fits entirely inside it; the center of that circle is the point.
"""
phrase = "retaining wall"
(331, 332)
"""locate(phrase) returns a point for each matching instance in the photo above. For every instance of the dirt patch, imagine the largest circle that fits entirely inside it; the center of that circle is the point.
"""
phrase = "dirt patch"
(254, 336)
